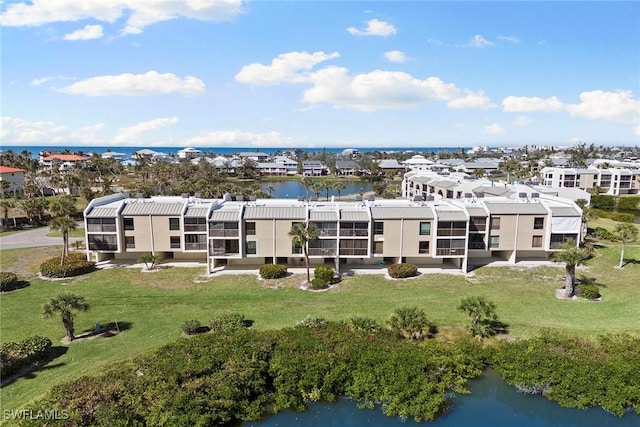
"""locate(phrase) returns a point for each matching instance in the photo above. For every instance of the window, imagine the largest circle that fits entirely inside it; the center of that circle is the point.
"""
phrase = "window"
(378, 247)
(174, 242)
(494, 241)
(536, 242)
(495, 223)
(103, 242)
(296, 249)
(174, 224)
(251, 247)
(251, 228)
(423, 247)
(129, 242)
(195, 224)
(195, 242)
(478, 224)
(538, 223)
(378, 227)
(128, 224)
(104, 225)
(425, 228)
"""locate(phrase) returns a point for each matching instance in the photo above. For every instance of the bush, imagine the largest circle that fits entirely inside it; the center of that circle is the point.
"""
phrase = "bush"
(74, 264)
(322, 276)
(604, 234)
(227, 322)
(191, 327)
(312, 322)
(8, 281)
(17, 355)
(364, 324)
(401, 271)
(629, 204)
(616, 216)
(603, 201)
(591, 292)
(272, 271)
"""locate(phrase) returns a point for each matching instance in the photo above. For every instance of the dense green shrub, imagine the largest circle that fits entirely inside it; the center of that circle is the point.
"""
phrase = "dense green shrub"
(227, 322)
(588, 291)
(8, 281)
(616, 216)
(364, 324)
(17, 355)
(312, 322)
(629, 203)
(74, 264)
(603, 201)
(272, 271)
(401, 271)
(604, 234)
(191, 327)
(318, 283)
(323, 276)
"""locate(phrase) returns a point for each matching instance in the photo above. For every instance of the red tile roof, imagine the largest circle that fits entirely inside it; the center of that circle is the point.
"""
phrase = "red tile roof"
(7, 169)
(66, 157)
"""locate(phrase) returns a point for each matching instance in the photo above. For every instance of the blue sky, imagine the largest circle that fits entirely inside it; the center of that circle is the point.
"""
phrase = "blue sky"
(210, 73)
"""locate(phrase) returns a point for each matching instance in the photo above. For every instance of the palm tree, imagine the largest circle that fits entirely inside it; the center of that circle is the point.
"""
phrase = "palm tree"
(306, 183)
(5, 205)
(301, 233)
(625, 232)
(61, 206)
(338, 185)
(572, 256)
(63, 224)
(65, 304)
(410, 322)
(482, 314)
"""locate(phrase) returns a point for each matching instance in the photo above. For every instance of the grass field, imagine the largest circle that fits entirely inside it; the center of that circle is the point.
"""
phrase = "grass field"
(151, 306)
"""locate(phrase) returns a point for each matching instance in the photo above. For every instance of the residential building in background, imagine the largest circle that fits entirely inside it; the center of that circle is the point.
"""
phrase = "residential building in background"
(614, 181)
(11, 180)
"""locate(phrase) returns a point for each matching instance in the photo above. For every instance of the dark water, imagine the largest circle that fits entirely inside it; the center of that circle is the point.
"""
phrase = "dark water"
(491, 403)
(293, 189)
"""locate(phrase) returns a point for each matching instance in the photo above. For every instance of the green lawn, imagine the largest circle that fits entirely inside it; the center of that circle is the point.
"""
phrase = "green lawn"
(78, 232)
(151, 306)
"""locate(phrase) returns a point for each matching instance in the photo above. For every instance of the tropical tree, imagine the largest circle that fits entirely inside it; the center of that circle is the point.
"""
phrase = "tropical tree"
(33, 206)
(411, 322)
(5, 205)
(572, 256)
(482, 314)
(338, 185)
(62, 205)
(317, 186)
(306, 183)
(301, 233)
(65, 304)
(150, 260)
(625, 232)
(63, 224)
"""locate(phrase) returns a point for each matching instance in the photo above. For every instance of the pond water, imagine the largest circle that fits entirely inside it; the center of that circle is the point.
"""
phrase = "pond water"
(492, 402)
(293, 189)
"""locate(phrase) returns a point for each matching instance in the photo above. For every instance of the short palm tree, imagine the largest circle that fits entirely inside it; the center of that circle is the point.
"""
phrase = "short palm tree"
(301, 233)
(410, 322)
(482, 313)
(5, 205)
(625, 232)
(63, 224)
(62, 205)
(338, 185)
(65, 304)
(572, 256)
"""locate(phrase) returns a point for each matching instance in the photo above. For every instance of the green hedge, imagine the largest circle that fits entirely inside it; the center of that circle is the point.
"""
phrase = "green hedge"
(75, 264)
(616, 216)
(18, 355)
(629, 203)
(603, 201)
(272, 271)
(591, 292)
(8, 281)
(401, 271)
(322, 277)
(227, 322)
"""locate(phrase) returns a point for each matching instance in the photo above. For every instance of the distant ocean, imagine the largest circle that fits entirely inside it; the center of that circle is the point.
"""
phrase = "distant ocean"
(127, 150)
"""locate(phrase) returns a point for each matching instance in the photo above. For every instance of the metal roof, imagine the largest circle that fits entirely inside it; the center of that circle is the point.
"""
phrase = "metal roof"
(323, 216)
(101, 212)
(564, 211)
(152, 208)
(354, 215)
(476, 211)
(275, 212)
(223, 215)
(516, 208)
(406, 212)
(451, 215)
(197, 211)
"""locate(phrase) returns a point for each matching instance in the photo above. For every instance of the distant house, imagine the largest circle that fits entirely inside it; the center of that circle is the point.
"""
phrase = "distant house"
(63, 161)
(256, 156)
(313, 168)
(291, 165)
(146, 154)
(189, 153)
(346, 167)
(391, 165)
(11, 179)
(272, 169)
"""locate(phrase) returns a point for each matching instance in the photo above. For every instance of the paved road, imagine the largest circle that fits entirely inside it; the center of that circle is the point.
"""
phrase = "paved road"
(31, 238)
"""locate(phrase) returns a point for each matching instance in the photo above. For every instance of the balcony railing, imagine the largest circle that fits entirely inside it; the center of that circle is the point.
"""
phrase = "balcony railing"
(328, 232)
(450, 251)
(354, 251)
(98, 228)
(196, 228)
(452, 232)
(354, 232)
(477, 245)
(195, 246)
(103, 247)
(322, 251)
(224, 233)
(223, 252)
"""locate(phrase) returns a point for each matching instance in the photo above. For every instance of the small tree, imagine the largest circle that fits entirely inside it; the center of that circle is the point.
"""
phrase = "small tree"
(482, 314)
(301, 233)
(63, 224)
(5, 205)
(65, 304)
(572, 256)
(625, 232)
(150, 260)
(410, 322)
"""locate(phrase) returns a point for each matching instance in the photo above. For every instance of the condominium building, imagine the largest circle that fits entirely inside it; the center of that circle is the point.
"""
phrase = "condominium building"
(235, 232)
(615, 181)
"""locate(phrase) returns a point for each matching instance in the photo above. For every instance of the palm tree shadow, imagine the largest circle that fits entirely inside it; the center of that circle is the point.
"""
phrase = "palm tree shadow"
(499, 327)
(30, 372)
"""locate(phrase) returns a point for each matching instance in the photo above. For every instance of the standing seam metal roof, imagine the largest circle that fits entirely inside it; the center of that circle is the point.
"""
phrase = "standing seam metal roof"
(275, 212)
(225, 215)
(197, 211)
(101, 212)
(564, 211)
(406, 212)
(451, 215)
(152, 208)
(516, 208)
(323, 216)
(354, 216)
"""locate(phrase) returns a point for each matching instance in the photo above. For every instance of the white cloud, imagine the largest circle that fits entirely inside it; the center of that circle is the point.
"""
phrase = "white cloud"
(619, 106)
(494, 129)
(131, 135)
(479, 41)
(89, 32)
(38, 82)
(471, 99)
(236, 138)
(292, 67)
(17, 131)
(139, 13)
(522, 121)
(150, 83)
(396, 56)
(510, 39)
(435, 42)
(512, 104)
(374, 28)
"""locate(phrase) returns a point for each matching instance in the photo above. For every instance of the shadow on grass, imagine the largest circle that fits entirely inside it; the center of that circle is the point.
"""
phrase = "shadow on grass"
(582, 281)
(499, 327)
(628, 261)
(30, 372)
(105, 330)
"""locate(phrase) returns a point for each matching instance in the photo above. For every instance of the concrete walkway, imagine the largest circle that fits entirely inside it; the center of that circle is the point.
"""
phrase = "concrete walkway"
(31, 238)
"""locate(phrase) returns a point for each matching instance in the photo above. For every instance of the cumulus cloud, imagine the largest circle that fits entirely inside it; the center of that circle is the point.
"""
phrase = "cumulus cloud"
(374, 28)
(17, 131)
(396, 56)
(139, 13)
(494, 129)
(619, 106)
(89, 32)
(292, 67)
(522, 121)
(41, 80)
(131, 134)
(512, 104)
(149, 83)
(237, 138)
(479, 41)
(471, 99)
(510, 39)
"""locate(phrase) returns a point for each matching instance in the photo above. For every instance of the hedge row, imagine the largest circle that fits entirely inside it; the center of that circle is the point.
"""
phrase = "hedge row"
(401, 271)
(18, 355)
(607, 202)
(8, 281)
(616, 216)
(272, 271)
(74, 264)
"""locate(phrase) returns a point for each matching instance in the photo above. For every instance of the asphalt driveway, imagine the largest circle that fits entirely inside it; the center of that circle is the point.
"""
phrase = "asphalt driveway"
(31, 238)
